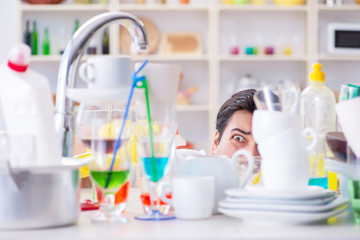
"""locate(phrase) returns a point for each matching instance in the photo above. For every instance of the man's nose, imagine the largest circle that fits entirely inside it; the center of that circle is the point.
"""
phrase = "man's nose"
(254, 150)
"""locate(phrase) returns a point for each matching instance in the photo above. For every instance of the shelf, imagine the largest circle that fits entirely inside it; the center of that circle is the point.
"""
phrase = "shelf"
(53, 58)
(264, 58)
(192, 108)
(269, 8)
(339, 57)
(170, 58)
(64, 7)
(159, 7)
(349, 7)
(154, 58)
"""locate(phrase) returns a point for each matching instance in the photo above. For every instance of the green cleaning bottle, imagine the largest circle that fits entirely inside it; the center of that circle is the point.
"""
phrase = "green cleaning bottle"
(76, 26)
(34, 40)
(46, 43)
(317, 109)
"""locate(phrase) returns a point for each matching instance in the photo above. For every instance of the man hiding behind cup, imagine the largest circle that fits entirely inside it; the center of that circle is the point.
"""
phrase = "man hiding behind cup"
(234, 124)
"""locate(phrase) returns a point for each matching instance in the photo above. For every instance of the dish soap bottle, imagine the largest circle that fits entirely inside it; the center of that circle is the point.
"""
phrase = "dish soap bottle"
(27, 109)
(317, 108)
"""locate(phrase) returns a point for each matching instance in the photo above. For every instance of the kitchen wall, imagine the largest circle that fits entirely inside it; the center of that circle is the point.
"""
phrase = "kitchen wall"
(8, 31)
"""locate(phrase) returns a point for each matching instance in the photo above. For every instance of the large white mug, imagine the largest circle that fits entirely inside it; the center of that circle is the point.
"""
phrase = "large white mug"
(163, 82)
(285, 164)
(265, 124)
(107, 72)
(192, 196)
(222, 168)
(348, 113)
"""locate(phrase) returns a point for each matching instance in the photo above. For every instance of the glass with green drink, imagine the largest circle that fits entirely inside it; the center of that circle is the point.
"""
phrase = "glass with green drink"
(107, 171)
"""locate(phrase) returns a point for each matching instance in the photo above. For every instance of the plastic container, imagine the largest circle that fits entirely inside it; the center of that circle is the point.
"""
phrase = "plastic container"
(317, 108)
(27, 110)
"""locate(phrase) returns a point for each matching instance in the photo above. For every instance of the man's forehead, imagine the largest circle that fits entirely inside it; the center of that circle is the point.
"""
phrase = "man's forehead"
(242, 120)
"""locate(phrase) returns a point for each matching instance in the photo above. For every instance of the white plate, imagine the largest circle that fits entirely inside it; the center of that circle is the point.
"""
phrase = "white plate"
(281, 217)
(66, 163)
(316, 201)
(284, 208)
(260, 192)
(102, 96)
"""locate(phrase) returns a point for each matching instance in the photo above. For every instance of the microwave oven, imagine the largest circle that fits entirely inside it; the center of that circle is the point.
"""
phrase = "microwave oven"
(343, 38)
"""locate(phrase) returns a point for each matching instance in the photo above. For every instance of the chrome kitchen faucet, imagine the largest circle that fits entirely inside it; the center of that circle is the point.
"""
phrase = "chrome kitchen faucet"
(74, 50)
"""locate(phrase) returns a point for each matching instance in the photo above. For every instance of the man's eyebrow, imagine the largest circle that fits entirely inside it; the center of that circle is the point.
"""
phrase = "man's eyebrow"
(242, 131)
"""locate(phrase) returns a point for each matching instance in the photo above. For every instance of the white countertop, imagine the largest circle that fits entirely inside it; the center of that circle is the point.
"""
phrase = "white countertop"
(217, 227)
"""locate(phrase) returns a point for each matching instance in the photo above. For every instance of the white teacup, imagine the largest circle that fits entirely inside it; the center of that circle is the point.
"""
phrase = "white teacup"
(107, 72)
(285, 164)
(348, 113)
(265, 123)
(222, 168)
(192, 196)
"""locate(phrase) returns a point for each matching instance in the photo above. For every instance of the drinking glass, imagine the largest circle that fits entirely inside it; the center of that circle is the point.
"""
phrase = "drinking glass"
(155, 144)
(282, 97)
(99, 128)
(348, 92)
(142, 184)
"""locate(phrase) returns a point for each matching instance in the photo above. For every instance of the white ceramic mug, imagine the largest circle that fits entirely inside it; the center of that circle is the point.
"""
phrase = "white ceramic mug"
(107, 72)
(285, 164)
(193, 197)
(265, 124)
(348, 113)
(222, 168)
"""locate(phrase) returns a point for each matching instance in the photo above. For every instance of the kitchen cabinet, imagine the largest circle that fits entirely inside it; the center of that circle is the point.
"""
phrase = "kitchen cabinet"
(215, 73)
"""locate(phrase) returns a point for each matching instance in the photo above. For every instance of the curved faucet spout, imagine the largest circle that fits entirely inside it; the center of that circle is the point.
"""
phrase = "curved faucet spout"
(70, 61)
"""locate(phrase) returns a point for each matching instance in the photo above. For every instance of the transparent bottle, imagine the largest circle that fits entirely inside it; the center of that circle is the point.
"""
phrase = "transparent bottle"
(317, 107)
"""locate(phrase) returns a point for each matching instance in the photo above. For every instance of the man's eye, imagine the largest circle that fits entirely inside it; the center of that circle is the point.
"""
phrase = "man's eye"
(239, 138)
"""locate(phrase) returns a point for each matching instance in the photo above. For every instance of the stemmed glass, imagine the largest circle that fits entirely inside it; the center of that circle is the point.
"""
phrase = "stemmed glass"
(155, 153)
(99, 127)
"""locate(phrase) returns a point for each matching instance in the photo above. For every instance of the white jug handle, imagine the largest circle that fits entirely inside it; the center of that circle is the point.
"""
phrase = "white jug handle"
(312, 133)
(250, 164)
(84, 70)
(162, 194)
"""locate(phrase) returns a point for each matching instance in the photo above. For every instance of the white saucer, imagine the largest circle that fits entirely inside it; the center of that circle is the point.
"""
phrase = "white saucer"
(66, 163)
(102, 96)
(282, 217)
(260, 192)
(316, 201)
(339, 202)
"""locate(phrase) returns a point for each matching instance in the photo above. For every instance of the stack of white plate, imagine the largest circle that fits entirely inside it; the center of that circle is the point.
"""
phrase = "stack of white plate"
(301, 207)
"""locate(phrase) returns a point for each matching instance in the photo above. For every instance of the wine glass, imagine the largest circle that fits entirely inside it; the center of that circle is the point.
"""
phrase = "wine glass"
(155, 145)
(99, 128)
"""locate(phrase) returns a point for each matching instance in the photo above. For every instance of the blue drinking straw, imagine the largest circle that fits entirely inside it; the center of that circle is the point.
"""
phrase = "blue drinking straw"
(118, 141)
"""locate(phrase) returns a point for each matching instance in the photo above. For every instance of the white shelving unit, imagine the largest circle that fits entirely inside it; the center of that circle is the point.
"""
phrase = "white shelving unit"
(215, 71)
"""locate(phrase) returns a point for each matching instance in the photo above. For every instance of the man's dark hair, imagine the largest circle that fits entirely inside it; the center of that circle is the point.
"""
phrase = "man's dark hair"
(242, 100)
